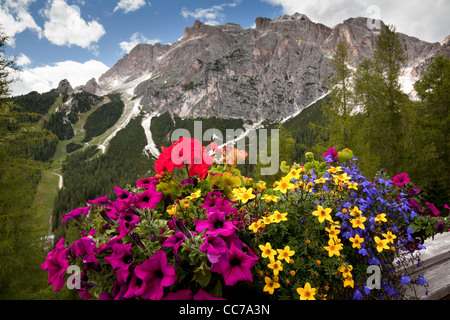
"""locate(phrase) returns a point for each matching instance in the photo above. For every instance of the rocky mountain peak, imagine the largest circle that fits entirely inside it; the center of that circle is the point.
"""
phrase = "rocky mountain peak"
(64, 87)
(267, 72)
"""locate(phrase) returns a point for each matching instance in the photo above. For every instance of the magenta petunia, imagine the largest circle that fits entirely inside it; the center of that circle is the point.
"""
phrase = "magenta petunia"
(331, 155)
(174, 241)
(117, 292)
(203, 295)
(235, 266)
(121, 260)
(99, 201)
(401, 179)
(145, 182)
(86, 249)
(179, 295)
(75, 214)
(433, 209)
(147, 199)
(215, 223)
(214, 248)
(150, 278)
(56, 265)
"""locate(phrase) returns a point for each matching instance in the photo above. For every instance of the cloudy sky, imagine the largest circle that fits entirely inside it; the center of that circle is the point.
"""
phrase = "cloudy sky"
(80, 39)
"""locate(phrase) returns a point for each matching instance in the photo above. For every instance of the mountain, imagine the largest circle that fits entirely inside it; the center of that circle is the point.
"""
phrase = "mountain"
(268, 72)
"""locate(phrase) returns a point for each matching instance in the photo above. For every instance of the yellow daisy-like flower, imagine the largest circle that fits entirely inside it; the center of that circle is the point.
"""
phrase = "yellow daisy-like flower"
(348, 282)
(389, 236)
(381, 244)
(261, 186)
(255, 226)
(267, 220)
(270, 285)
(334, 169)
(278, 217)
(346, 270)
(333, 231)
(352, 185)
(267, 251)
(285, 254)
(358, 222)
(333, 248)
(307, 293)
(323, 214)
(356, 241)
(341, 177)
(284, 185)
(381, 217)
(243, 194)
(270, 198)
(195, 195)
(355, 212)
(321, 180)
(276, 266)
(294, 174)
(172, 209)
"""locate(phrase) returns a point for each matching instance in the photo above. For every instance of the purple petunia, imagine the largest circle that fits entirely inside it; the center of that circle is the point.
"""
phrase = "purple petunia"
(121, 260)
(214, 248)
(235, 266)
(150, 278)
(56, 265)
(174, 241)
(401, 179)
(75, 214)
(147, 199)
(215, 223)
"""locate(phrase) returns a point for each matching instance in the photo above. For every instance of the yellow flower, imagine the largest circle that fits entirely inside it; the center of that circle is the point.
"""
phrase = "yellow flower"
(307, 293)
(247, 195)
(358, 222)
(270, 198)
(380, 218)
(267, 251)
(334, 169)
(320, 180)
(333, 231)
(346, 270)
(276, 266)
(278, 217)
(261, 186)
(389, 236)
(194, 195)
(284, 185)
(352, 185)
(348, 282)
(237, 192)
(333, 248)
(172, 209)
(355, 212)
(294, 174)
(270, 285)
(341, 177)
(323, 214)
(285, 254)
(267, 220)
(356, 241)
(255, 226)
(381, 244)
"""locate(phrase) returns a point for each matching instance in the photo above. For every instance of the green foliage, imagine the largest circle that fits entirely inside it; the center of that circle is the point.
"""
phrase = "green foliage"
(104, 117)
(36, 102)
(60, 126)
(88, 174)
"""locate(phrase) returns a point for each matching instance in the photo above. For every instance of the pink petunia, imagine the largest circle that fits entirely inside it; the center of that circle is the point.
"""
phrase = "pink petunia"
(56, 265)
(401, 179)
(433, 209)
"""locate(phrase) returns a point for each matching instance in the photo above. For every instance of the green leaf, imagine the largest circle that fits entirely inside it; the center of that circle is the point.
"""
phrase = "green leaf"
(202, 275)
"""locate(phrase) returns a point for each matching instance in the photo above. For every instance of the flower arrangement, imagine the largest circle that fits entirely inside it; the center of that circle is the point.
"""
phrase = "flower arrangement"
(312, 235)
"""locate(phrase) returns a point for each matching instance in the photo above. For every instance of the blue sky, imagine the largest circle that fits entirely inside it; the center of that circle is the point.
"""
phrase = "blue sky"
(81, 39)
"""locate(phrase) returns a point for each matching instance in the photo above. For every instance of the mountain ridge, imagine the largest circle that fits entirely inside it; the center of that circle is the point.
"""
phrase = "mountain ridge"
(269, 72)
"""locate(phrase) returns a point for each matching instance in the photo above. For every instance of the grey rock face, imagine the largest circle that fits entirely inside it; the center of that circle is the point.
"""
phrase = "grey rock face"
(92, 87)
(267, 72)
(64, 87)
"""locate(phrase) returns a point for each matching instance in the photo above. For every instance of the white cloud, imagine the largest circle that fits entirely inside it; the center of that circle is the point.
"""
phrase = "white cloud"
(65, 26)
(212, 16)
(427, 20)
(45, 78)
(135, 39)
(22, 60)
(15, 18)
(129, 5)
